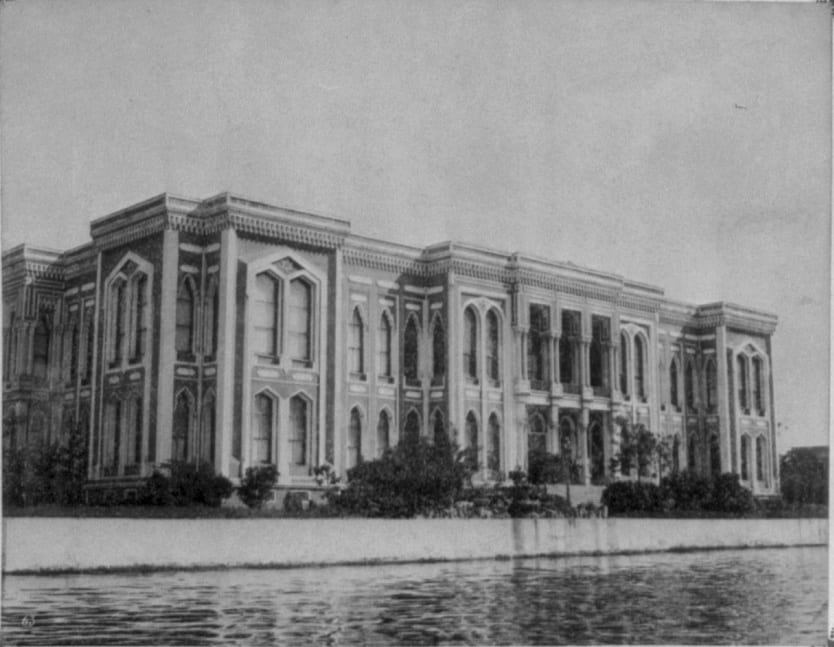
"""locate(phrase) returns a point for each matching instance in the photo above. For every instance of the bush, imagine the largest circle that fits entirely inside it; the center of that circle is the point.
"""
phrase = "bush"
(189, 483)
(256, 485)
(804, 476)
(625, 497)
(416, 477)
(729, 496)
(686, 491)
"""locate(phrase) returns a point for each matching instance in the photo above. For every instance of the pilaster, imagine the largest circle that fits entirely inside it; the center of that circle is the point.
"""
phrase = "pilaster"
(225, 463)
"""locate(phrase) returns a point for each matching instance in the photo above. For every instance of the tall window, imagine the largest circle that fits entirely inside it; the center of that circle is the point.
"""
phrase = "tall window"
(676, 448)
(568, 347)
(758, 399)
(299, 316)
(40, 349)
(298, 430)
(760, 458)
(383, 357)
(624, 364)
(354, 439)
(207, 427)
(8, 356)
(89, 345)
(691, 462)
(537, 434)
(140, 317)
(439, 428)
(180, 450)
(470, 343)
(411, 350)
(438, 348)
(712, 384)
(639, 367)
(673, 383)
(383, 433)
(493, 364)
(184, 339)
(356, 344)
(112, 437)
(412, 426)
(210, 318)
(74, 344)
(265, 315)
(472, 435)
(714, 455)
(741, 362)
(494, 443)
(600, 339)
(689, 383)
(118, 307)
(133, 441)
(745, 458)
(537, 356)
(262, 429)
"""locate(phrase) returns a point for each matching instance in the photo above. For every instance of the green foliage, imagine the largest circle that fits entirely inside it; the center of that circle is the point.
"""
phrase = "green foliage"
(256, 485)
(188, 484)
(639, 448)
(683, 492)
(415, 477)
(804, 476)
(544, 467)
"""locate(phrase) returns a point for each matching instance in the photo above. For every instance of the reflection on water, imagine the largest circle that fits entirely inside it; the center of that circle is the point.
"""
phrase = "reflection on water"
(773, 596)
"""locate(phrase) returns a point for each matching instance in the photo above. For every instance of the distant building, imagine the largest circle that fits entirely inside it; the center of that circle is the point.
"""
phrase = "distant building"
(241, 333)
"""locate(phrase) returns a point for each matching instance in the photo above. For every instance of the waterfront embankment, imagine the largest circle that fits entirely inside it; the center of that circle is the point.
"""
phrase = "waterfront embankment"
(49, 545)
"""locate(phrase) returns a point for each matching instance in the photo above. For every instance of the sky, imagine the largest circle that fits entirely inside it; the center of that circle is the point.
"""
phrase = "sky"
(686, 145)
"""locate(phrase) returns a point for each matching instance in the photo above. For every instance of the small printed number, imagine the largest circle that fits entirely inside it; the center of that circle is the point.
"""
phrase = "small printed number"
(28, 621)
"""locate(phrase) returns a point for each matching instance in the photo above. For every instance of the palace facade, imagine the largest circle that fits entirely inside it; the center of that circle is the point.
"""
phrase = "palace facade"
(240, 333)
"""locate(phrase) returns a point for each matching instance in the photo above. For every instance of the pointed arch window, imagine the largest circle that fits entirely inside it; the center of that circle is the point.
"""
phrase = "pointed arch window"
(383, 433)
(112, 437)
(439, 428)
(133, 440)
(40, 349)
(689, 384)
(354, 439)
(494, 443)
(207, 428)
(210, 318)
(470, 344)
(711, 385)
(411, 353)
(299, 318)
(299, 420)
(743, 401)
(624, 364)
(184, 338)
(139, 317)
(356, 345)
(760, 458)
(383, 357)
(438, 345)
(640, 367)
(673, 383)
(745, 458)
(264, 417)
(493, 352)
(89, 345)
(265, 315)
(74, 342)
(117, 311)
(714, 455)
(412, 426)
(472, 435)
(181, 433)
(691, 455)
(758, 380)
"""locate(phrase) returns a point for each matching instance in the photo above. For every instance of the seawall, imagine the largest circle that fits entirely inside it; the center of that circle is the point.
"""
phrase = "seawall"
(33, 545)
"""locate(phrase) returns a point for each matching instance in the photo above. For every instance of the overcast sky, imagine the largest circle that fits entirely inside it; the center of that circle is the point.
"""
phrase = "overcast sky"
(686, 145)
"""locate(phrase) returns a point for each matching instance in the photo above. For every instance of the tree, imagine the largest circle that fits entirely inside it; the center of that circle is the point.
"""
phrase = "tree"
(804, 476)
(638, 446)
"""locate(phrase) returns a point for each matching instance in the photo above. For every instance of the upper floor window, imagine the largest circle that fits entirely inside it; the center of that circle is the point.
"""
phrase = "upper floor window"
(673, 383)
(140, 316)
(624, 364)
(73, 340)
(568, 347)
(438, 348)
(538, 366)
(356, 345)
(640, 367)
(411, 352)
(40, 348)
(711, 384)
(299, 318)
(128, 316)
(186, 301)
(689, 383)
(210, 318)
(743, 402)
(493, 364)
(383, 363)
(598, 352)
(117, 309)
(758, 379)
(89, 344)
(470, 344)
(266, 315)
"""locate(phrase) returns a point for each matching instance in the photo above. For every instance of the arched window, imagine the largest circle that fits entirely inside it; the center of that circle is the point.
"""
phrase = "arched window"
(265, 315)
(412, 426)
(691, 455)
(493, 364)
(133, 441)
(472, 435)
(760, 458)
(354, 439)
(264, 415)
(299, 422)
(438, 347)
(712, 384)
(745, 458)
(299, 316)
(470, 344)
(493, 443)
(538, 366)
(112, 437)
(673, 383)
(599, 351)
(383, 433)
(567, 437)
(356, 345)
(181, 436)
(184, 338)
(40, 349)
(207, 427)
(624, 364)
(537, 434)
(758, 393)
(411, 353)
(689, 383)
(383, 363)
(639, 367)
(74, 348)
(139, 341)
(714, 455)
(210, 318)
(596, 451)
(439, 428)
(743, 403)
(117, 309)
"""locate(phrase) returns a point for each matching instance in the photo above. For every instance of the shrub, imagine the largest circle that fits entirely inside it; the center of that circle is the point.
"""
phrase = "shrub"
(188, 484)
(625, 497)
(14, 466)
(686, 491)
(416, 477)
(804, 476)
(729, 496)
(256, 485)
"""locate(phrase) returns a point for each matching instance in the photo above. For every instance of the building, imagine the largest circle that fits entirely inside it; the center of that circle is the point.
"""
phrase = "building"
(241, 333)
